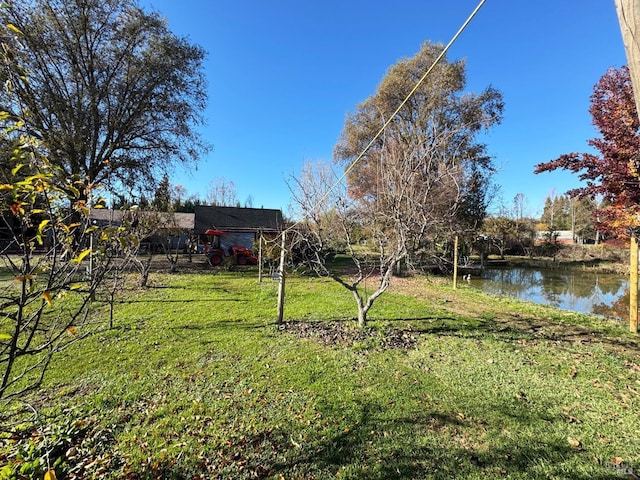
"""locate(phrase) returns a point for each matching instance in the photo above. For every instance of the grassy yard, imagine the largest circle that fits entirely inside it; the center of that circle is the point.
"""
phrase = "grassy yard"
(197, 381)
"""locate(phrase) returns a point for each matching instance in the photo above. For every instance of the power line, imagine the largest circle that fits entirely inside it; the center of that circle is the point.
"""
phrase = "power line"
(413, 90)
(409, 95)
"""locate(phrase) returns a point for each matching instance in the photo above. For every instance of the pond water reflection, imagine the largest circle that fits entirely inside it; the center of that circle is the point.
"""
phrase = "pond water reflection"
(572, 289)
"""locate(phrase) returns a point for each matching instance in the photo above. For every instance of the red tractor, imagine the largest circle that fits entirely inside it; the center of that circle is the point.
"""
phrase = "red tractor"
(216, 253)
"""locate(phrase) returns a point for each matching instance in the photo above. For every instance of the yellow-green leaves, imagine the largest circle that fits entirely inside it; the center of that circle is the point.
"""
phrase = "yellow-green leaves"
(24, 278)
(41, 227)
(81, 256)
(14, 29)
(17, 168)
(47, 298)
(82, 206)
(50, 475)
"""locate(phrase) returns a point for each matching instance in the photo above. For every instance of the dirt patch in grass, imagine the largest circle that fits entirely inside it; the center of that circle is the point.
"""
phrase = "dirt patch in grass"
(346, 334)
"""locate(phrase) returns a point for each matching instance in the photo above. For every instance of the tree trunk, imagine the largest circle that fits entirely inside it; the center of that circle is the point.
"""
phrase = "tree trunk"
(363, 307)
(362, 317)
(145, 267)
(362, 310)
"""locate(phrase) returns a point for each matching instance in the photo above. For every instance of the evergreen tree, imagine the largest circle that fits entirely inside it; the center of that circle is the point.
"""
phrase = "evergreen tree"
(162, 197)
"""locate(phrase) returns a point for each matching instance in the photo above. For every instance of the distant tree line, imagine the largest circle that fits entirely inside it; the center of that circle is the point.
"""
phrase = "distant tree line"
(174, 198)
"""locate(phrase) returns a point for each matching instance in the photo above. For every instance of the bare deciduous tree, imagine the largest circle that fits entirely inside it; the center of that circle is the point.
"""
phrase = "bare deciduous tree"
(411, 188)
(431, 142)
(331, 222)
(376, 232)
(222, 193)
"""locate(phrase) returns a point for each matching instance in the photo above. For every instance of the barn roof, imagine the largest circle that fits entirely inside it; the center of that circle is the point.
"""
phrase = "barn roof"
(237, 219)
(223, 218)
(105, 216)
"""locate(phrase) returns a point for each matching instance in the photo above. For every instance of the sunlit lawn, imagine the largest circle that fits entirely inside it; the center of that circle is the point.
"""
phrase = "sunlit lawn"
(196, 381)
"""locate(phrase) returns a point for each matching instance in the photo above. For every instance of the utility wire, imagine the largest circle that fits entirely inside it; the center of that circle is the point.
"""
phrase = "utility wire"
(409, 95)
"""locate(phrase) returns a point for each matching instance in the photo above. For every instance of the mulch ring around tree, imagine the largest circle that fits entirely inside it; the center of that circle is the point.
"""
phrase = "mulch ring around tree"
(346, 333)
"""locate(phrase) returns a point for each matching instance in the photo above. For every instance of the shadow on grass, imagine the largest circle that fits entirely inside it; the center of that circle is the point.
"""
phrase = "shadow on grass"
(433, 445)
(217, 324)
(515, 328)
(367, 439)
(186, 300)
(369, 443)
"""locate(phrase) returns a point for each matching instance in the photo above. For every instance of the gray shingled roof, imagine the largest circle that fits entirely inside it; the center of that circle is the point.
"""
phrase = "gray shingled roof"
(237, 219)
(105, 216)
(233, 219)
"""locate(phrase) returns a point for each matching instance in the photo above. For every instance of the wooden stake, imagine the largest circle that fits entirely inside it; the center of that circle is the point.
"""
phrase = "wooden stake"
(260, 258)
(455, 263)
(633, 285)
(281, 284)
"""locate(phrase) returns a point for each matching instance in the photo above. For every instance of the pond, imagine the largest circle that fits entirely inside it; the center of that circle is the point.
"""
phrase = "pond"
(570, 289)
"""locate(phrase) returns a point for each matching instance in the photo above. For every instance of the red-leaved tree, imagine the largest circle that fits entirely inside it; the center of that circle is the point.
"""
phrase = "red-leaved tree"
(614, 173)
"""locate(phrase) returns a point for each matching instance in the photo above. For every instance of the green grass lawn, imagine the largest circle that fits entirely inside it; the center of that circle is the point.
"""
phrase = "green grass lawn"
(197, 381)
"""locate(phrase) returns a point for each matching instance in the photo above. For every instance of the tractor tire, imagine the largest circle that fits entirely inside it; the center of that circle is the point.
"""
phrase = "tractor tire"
(215, 259)
(242, 260)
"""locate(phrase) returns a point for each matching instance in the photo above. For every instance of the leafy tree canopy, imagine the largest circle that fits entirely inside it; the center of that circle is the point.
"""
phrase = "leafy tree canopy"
(614, 173)
(107, 89)
(432, 138)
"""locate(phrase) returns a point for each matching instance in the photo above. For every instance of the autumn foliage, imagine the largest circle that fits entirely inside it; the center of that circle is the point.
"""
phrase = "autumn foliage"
(612, 174)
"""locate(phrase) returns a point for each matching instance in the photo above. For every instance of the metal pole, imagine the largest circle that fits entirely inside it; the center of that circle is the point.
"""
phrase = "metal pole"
(91, 285)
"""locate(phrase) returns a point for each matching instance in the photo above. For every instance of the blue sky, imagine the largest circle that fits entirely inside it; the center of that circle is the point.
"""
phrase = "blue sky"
(282, 74)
